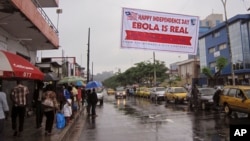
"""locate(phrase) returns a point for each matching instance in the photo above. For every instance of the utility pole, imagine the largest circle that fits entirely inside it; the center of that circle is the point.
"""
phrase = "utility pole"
(92, 75)
(154, 69)
(224, 2)
(88, 56)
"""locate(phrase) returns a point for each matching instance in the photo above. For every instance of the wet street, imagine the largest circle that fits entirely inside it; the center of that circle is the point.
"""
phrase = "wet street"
(137, 119)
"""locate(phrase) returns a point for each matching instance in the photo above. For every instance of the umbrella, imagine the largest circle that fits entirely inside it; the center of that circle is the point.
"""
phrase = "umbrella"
(79, 83)
(15, 66)
(50, 77)
(71, 79)
(93, 84)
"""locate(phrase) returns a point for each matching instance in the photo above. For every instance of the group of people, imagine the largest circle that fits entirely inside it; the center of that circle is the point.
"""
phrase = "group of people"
(47, 101)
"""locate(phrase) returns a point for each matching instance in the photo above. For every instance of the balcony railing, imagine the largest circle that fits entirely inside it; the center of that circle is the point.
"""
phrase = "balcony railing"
(44, 15)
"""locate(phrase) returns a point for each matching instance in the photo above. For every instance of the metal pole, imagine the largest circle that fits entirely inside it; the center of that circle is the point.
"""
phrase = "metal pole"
(224, 2)
(154, 70)
(92, 75)
(88, 56)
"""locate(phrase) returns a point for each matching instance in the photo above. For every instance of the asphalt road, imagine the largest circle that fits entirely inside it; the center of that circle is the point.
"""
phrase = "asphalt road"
(137, 119)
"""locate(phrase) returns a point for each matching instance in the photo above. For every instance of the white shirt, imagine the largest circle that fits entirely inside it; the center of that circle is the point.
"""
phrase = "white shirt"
(3, 105)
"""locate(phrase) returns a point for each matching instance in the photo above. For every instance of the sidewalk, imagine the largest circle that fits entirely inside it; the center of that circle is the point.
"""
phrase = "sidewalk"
(30, 132)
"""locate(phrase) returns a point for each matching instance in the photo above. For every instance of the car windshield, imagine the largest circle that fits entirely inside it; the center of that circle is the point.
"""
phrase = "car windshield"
(120, 89)
(207, 91)
(160, 89)
(247, 92)
(180, 90)
(99, 90)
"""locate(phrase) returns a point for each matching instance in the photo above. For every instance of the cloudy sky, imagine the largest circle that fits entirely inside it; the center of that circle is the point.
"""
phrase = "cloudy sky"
(103, 17)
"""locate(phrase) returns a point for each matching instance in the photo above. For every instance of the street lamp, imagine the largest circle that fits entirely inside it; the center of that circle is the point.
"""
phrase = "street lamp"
(58, 11)
(224, 2)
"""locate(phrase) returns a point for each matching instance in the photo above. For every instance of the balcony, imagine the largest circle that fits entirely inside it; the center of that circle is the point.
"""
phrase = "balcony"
(48, 3)
(26, 20)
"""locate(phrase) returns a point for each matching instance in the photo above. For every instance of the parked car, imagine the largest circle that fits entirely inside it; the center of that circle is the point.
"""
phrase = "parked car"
(176, 94)
(236, 98)
(100, 95)
(146, 92)
(157, 93)
(140, 91)
(120, 92)
(110, 91)
(204, 99)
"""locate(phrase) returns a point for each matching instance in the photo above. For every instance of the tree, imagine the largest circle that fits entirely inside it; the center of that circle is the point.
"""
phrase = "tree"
(142, 73)
(221, 62)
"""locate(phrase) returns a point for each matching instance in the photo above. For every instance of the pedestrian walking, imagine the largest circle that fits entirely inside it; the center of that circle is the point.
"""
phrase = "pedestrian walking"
(216, 97)
(4, 112)
(83, 92)
(92, 101)
(37, 97)
(67, 111)
(50, 106)
(19, 97)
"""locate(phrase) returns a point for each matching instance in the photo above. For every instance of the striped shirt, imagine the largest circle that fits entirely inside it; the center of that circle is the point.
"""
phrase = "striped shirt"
(19, 94)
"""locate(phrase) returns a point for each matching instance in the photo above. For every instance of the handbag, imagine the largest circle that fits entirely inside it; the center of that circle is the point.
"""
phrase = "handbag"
(48, 102)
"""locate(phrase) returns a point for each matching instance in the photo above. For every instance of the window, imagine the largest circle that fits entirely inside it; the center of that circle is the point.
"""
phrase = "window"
(217, 22)
(232, 92)
(211, 50)
(216, 34)
(222, 46)
(212, 64)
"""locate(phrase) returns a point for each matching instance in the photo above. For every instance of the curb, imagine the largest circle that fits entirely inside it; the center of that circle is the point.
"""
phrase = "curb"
(66, 132)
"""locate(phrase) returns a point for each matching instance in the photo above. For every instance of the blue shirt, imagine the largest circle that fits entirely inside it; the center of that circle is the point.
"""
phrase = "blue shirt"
(66, 94)
(3, 105)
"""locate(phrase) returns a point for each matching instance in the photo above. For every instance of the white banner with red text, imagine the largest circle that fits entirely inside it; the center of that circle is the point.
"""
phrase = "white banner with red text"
(142, 29)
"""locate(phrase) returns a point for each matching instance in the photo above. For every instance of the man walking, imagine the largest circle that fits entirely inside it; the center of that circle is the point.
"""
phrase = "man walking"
(38, 104)
(4, 109)
(19, 97)
(92, 101)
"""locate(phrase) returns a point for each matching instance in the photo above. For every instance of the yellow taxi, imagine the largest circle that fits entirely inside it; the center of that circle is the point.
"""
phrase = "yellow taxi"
(146, 92)
(140, 91)
(235, 98)
(110, 91)
(176, 94)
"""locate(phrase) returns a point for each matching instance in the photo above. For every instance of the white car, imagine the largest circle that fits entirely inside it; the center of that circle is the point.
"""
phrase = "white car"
(157, 93)
(100, 95)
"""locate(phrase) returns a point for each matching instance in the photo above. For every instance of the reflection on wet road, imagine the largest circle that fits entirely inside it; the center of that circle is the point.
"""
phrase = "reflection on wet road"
(136, 119)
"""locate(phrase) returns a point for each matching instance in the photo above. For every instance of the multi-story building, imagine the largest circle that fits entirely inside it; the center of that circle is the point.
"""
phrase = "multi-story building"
(24, 29)
(214, 43)
(189, 70)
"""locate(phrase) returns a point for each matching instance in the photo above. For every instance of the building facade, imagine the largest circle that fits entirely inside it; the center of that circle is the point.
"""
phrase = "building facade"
(24, 29)
(214, 43)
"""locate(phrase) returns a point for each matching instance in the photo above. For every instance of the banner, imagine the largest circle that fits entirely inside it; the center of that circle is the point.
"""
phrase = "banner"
(151, 30)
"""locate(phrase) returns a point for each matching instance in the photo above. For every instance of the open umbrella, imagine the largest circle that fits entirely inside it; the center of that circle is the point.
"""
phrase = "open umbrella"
(93, 84)
(71, 79)
(15, 66)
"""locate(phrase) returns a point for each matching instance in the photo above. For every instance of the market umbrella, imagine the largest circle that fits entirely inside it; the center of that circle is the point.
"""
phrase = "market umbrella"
(93, 84)
(79, 83)
(15, 66)
(71, 79)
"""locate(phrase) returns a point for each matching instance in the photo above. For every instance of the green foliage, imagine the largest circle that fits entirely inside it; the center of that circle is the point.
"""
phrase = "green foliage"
(221, 63)
(142, 73)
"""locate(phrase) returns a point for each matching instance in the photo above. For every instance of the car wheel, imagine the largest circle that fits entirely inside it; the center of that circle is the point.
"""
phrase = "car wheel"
(203, 106)
(227, 109)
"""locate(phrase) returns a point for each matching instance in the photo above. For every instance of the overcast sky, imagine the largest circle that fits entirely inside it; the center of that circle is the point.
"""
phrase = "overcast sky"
(103, 17)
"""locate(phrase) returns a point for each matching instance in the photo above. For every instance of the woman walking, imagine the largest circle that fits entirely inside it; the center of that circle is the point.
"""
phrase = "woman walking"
(50, 106)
